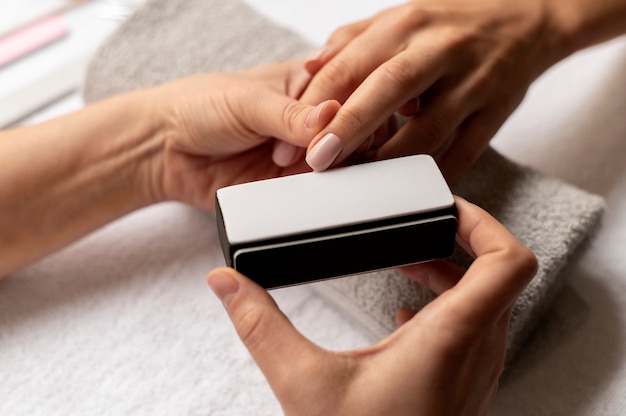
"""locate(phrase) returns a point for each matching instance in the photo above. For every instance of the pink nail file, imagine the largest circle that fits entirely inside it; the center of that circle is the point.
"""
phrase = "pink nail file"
(31, 38)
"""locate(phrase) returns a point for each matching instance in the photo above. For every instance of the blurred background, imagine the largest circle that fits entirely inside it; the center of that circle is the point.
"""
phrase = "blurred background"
(45, 46)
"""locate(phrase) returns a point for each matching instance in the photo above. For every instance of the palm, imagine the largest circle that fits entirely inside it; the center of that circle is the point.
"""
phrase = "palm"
(200, 177)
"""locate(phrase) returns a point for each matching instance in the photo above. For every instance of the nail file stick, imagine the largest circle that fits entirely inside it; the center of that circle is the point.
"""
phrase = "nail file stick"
(44, 11)
(31, 38)
(52, 85)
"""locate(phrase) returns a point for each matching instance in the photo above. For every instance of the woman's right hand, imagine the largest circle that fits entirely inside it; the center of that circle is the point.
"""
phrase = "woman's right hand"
(456, 68)
(444, 360)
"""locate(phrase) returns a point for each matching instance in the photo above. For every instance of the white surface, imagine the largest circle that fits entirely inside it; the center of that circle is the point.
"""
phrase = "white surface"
(123, 323)
(322, 200)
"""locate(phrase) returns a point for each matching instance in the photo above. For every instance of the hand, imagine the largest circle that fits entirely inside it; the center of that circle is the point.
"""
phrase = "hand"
(446, 359)
(457, 69)
(180, 141)
(221, 128)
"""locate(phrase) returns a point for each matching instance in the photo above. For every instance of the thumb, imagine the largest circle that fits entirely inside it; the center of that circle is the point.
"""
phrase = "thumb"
(269, 336)
(279, 116)
(296, 137)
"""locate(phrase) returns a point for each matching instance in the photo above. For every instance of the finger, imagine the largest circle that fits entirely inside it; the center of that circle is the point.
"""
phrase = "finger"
(350, 66)
(285, 154)
(336, 42)
(409, 108)
(432, 128)
(297, 82)
(272, 114)
(388, 88)
(502, 269)
(380, 136)
(404, 315)
(438, 275)
(274, 344)
(470, 141)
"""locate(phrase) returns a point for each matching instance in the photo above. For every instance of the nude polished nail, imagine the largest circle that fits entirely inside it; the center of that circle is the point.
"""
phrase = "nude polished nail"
(312, 119)
(324, 152)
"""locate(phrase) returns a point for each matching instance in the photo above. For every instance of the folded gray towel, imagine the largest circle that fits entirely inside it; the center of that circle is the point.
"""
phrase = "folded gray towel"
(549, 216)
(168, 39)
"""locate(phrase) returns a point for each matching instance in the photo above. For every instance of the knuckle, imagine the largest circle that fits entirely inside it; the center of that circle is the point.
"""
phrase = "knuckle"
(289, 115)
(352, 120)
(338, 74)
(398, 73)
(461, 42)
(250, 326)
(527, 261)
(465, 156)
(413, 15)
(523, 260)
(345, 33)
(435, 130)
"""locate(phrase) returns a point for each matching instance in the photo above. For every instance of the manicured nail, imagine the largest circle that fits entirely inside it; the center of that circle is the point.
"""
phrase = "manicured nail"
(324, 152)
(224, 286)
(284, 154)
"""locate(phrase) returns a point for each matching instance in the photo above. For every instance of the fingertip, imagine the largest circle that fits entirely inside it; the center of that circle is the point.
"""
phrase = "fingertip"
(316, 59)
(320, 115)
(404, 315)
(298, 83)
(285, 154)
(223, 282)
(312, 66)
(437, 275)
(410, 108)
(329, 111)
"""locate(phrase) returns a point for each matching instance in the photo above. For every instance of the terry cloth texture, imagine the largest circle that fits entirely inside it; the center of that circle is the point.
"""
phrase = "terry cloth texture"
(169, 39)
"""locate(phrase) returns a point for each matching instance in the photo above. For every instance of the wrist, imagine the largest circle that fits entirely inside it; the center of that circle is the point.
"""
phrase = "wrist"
(135, 145)
(168, 131)
(64, 178)
(549, 34)
(582, 23)
(149, 146)
(566, 26)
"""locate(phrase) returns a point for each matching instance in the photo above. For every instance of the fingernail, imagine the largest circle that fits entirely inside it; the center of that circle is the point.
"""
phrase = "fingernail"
(298, 83)
(316, 54)
(312, 119)
(284, 154)
(224, 286)
(324, 152)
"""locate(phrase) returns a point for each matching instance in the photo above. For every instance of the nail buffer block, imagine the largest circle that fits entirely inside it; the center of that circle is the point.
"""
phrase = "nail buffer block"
(344, 221)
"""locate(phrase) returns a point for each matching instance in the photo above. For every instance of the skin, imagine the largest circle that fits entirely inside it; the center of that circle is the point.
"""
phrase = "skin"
(182, 141)
(444, 360)
(456, 69)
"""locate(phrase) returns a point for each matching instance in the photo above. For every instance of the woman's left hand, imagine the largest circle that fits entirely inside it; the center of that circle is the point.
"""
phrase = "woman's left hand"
(219, 129)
